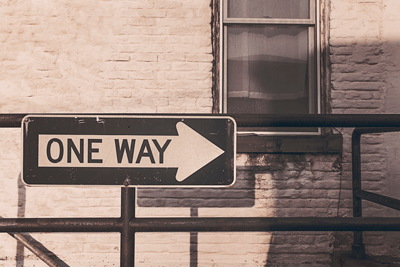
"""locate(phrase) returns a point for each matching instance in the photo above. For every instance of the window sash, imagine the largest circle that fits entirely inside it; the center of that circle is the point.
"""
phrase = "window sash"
(313, 56)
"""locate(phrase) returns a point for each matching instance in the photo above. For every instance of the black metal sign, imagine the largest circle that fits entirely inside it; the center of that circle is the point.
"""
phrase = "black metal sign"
(129, 150)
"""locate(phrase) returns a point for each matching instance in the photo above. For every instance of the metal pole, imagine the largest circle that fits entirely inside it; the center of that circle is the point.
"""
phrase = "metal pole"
(358, 248)
(128, 196)
(194, 213)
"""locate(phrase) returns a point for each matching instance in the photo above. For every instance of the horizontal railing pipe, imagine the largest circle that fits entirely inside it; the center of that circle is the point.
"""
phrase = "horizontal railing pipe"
(317, 120)
(369, 130)
(60, 225)
(265, 224)
(255, 224)
(201, 224)
(11, 120)
(259, 120)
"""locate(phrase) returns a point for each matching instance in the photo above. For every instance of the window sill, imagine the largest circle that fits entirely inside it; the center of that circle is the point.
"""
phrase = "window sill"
(327, 144)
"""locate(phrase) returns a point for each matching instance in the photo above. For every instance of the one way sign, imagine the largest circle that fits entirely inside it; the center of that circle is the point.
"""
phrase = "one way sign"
(129, 150)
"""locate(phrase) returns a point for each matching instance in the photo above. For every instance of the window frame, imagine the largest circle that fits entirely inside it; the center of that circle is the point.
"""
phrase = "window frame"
(314, 50)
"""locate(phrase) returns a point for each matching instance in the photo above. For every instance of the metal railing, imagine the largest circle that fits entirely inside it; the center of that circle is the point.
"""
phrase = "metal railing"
(358, 247)
(128, 224)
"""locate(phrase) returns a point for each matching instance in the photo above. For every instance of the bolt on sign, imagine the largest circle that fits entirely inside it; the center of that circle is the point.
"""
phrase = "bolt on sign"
(151, 150)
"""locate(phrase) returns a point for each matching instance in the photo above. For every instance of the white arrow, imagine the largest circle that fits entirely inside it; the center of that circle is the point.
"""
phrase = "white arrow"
(189, 151)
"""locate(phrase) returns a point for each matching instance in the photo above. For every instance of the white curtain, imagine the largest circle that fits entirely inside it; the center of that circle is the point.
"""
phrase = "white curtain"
(267, 62)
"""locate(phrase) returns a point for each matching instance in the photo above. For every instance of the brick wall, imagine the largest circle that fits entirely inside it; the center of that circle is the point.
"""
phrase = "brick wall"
(156, 56)
(122, 56)
(364, 56)
(96, 56)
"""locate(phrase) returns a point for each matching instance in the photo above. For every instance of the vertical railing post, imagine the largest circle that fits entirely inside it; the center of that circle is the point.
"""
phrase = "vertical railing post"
(358, 248)
(128, 196)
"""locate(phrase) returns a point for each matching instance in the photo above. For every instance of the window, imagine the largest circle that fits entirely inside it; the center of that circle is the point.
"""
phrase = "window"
(270, 60)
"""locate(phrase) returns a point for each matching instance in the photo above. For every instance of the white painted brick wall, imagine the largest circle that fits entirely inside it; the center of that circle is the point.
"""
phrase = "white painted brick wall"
(155, 56)
(89, 57)
(96, 56)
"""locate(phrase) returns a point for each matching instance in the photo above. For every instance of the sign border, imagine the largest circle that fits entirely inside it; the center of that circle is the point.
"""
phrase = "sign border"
(137, 116)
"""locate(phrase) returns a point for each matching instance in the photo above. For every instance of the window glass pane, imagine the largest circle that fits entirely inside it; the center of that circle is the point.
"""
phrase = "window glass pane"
(267, 70)
(295, 9)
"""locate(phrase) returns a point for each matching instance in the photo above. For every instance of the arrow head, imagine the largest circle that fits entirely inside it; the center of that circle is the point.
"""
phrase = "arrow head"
(191, 151)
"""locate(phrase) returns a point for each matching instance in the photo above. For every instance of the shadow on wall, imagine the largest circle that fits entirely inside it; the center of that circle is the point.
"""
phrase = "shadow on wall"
(298, 185)
(241, 194)
(21, 214)
(20, 257)
(276, 185)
